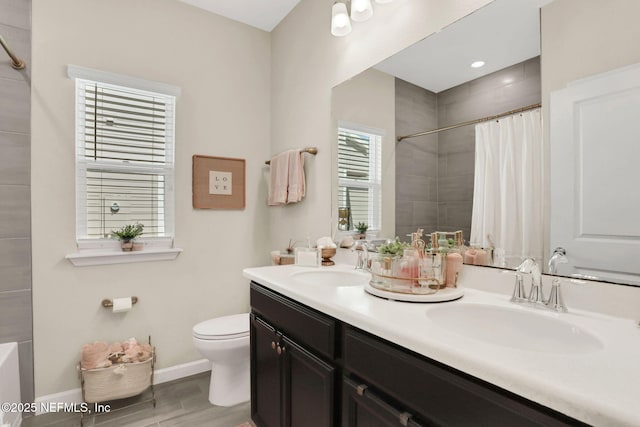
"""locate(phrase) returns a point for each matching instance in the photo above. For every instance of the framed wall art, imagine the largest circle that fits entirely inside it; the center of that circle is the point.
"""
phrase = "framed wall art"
(218, 182)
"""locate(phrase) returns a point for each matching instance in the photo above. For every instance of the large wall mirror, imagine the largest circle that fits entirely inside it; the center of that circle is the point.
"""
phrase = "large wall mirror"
(481, 153)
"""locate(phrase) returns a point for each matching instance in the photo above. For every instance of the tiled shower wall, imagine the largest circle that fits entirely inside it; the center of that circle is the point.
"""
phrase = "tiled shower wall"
(498, 92)
(15, 199)
(416, 160)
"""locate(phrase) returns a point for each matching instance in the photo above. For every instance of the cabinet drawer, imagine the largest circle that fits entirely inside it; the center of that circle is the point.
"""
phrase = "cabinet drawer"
(363, 408)
(308, 327)
(436, 393)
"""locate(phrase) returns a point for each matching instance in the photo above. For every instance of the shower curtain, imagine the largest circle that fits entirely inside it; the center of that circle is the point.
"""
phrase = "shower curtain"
(507, 198)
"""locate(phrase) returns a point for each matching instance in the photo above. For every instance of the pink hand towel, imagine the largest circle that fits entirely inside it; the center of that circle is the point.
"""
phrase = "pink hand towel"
(296, 187)
(279, 179)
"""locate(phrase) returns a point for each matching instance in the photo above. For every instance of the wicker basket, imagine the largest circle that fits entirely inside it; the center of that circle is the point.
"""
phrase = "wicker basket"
(117, 381)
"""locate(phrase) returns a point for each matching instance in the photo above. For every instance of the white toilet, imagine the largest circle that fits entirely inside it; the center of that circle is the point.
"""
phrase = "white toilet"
(225, 342)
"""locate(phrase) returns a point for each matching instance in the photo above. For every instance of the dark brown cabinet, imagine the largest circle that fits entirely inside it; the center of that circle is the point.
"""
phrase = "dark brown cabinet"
(290, 385)
(425, 392)
(308, 369)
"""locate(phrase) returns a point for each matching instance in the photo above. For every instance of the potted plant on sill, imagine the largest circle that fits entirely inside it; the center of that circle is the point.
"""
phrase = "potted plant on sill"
(362, 230)
(127, 234)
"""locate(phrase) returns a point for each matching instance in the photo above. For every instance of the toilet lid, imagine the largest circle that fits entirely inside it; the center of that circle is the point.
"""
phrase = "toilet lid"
(223, 328)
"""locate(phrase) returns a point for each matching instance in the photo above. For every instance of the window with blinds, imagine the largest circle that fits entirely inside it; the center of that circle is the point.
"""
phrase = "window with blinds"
(125, 160)
(359, 176)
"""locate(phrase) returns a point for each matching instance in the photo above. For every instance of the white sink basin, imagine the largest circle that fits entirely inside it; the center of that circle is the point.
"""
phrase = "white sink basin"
(517, 327)
(331, 277)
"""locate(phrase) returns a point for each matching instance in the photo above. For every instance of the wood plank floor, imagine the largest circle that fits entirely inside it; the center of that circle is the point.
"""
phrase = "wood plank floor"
(180, 403)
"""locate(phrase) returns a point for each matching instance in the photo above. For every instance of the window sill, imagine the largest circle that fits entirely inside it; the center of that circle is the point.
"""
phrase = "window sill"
(104, 257)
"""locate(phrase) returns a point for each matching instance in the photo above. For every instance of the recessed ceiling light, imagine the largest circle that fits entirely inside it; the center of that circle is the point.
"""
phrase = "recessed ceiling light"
(477, 64)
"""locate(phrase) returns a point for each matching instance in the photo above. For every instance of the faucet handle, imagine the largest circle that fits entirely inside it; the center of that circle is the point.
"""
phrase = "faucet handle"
(555, 301)
(519, 294)
(536, 295)
(363, 256)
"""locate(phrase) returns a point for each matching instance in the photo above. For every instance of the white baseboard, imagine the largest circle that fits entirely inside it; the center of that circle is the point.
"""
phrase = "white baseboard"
(159, 376)
(181, 371)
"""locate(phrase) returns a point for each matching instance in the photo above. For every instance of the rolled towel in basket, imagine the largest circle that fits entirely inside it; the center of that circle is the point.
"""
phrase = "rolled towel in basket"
(95, 355)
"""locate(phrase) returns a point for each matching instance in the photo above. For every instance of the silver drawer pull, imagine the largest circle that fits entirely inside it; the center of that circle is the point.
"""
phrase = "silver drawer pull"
(361, 388)
(404, 418)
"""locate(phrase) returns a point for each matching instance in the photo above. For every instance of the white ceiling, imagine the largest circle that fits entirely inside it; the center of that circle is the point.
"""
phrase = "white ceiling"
(263, 14)
(503, 33)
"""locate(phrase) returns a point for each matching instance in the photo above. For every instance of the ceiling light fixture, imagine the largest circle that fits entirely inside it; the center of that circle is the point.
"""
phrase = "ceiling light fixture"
(340, 23)
(361, 10)
(477, 64)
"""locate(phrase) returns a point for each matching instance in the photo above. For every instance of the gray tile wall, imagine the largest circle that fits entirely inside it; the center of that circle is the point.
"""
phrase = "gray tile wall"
(435, 173)
(416, 160)
(495, 93)
(15, 200)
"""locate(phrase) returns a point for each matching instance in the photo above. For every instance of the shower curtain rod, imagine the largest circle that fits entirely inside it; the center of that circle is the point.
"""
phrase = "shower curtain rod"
(471, 122)
(16, 62)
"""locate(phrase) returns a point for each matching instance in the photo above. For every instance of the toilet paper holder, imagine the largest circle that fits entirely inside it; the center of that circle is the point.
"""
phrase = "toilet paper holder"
(107, 303)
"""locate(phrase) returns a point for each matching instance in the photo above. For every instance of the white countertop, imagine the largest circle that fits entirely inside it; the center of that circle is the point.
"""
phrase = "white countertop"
(600, 388)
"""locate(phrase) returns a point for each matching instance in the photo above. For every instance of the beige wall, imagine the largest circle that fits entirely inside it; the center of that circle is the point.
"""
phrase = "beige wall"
(246, 94)
(368, 100)
(307, 61)
(585, 37)
(223, 68)
(581, 38)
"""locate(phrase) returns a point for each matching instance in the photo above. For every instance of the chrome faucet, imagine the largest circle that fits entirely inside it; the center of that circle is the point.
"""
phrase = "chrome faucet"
(363, 255)
(529, 267)
(559, 256)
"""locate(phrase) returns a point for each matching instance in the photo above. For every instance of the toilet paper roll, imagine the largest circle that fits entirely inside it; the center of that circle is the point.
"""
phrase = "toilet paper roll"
(121, 305)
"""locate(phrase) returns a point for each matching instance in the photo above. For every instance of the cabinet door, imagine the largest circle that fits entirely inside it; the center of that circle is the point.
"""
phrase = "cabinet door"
(308, 388)
(362, 408)
(266, 375)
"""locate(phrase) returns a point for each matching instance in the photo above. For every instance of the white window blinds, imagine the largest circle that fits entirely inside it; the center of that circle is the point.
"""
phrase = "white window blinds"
(125, 159)
(359, 176)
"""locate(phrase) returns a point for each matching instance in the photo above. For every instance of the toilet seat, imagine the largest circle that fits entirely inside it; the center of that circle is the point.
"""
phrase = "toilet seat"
(223, 328)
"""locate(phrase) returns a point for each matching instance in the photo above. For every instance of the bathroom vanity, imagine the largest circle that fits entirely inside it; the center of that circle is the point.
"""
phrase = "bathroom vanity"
(329, 354)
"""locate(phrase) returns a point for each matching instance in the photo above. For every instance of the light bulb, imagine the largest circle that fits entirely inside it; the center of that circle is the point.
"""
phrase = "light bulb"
(340, 24)
(341, 20)
(361, 10)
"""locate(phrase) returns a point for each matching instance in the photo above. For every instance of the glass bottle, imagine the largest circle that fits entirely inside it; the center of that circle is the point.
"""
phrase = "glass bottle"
(455, 256)
(438, 259)
(408, 270)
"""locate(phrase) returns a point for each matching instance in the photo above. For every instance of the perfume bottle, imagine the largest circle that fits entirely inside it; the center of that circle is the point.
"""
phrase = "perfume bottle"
(409, 264)
(438, 258)
(459, 243)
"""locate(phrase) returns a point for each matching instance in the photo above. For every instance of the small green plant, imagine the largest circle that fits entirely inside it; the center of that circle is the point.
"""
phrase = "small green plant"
(128, 232)
(362, 227)
(393, 248)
